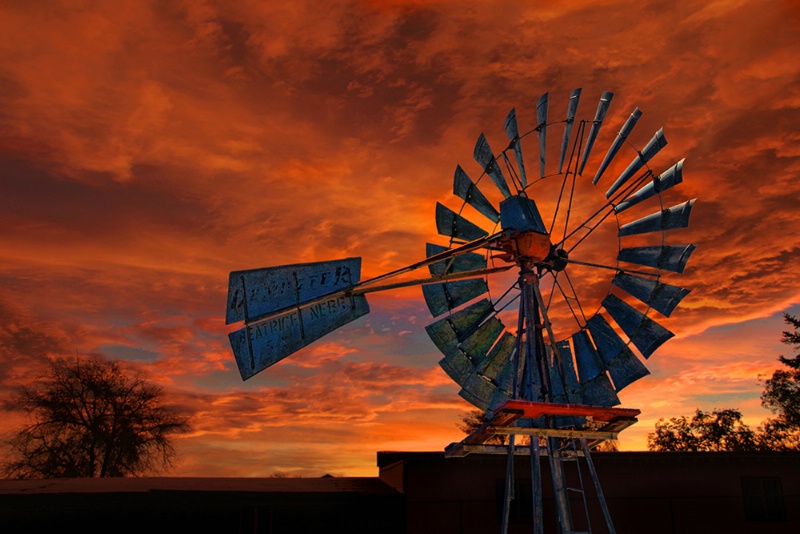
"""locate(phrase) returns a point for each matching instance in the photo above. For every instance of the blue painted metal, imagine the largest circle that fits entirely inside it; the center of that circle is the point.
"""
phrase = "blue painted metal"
(622, 364)
(669, 219)
(650, 150)
(484, 387)
(257, 293)
(669, 178)
(669, 258)
(646, 334)
(512, 131)
(520, 213)
(596, 389)
(463, 187)
(447, 333)
(602, 109)
(462, 358)
(574, 98)
(541, 128)
(452, 224)
(661, 297)
(564, 387)
(442, 298)
(623, 134)
(264, 343)
(483, 154)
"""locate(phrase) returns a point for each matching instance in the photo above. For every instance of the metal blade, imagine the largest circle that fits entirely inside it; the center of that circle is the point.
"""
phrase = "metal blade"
(541, 116)
(564, 388)
(484, 387)
(651, 149)
(589, 364)
(442, 298)
(661, 297)
(449, 332)
(596, 389)
(571, 110)
(646, 334)
(459, 264)
(257, 293)
(669, 219)
(669, 258)
(262, 344)
(669, 178)
(464, 188)
(602, 109)
(512, 131)
(623, 365)
(623, 134)
(483, 154)
(461, 359)
(452, 224)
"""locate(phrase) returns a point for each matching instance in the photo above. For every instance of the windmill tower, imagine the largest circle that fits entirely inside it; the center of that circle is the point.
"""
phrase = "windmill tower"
(521, 300)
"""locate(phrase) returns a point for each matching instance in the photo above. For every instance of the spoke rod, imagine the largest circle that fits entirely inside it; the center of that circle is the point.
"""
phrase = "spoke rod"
(447, 254)
(618, 269)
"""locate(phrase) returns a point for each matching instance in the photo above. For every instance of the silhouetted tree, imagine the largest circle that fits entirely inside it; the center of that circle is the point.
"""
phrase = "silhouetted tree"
(782, 392)
(92, 418)
(473, 420)
(720, 430)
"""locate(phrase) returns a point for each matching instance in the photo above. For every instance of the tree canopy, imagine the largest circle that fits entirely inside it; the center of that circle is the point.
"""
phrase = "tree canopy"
(724, 430)
(92, 418)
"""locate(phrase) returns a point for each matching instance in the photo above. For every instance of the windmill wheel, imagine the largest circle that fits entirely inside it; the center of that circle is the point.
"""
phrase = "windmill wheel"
(589, 254)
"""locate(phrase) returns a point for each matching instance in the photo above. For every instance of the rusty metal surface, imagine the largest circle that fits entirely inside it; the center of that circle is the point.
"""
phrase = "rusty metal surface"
(623, 134)
(572, 109)
(483, 154)
(257, 293)
(622, 364)
(452, 224)
(669, 178)
(512, 131)
(264, 343)
(668, 219)
(465, 188)
(646, 334)
(670, 258)
(599, 116)
(660, 296)
(648, 152)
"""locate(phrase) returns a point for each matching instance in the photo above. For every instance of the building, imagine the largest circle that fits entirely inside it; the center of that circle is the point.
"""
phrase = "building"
(424, 492)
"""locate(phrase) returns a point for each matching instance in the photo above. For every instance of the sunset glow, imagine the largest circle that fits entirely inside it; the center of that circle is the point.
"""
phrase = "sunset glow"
(147, 149)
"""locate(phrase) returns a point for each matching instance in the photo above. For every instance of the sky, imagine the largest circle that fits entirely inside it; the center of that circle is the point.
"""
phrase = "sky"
(147, 149)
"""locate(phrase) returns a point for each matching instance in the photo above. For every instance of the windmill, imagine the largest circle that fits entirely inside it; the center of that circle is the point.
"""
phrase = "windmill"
(539, 334)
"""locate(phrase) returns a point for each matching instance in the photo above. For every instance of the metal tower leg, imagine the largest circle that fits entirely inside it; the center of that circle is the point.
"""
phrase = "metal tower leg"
(559, 486)
(600, 497)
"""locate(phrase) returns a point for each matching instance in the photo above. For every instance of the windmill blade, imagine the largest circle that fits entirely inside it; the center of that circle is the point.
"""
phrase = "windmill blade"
(668, 219)
(462, 358)
(574, 98)
(541, 116)
(484, 387)
(442, 298)
(564, 387)
(646, 334)
(602, 109)
(650, 150)
(483, 154)
(623, 134)
(469, 261)
(452, 224)
(661, 297)
(596, 388)
(622, 364)
(466, 189)
(447, 333)
(669, 258)
(669, 178)
(259, 345)
(512, 131)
